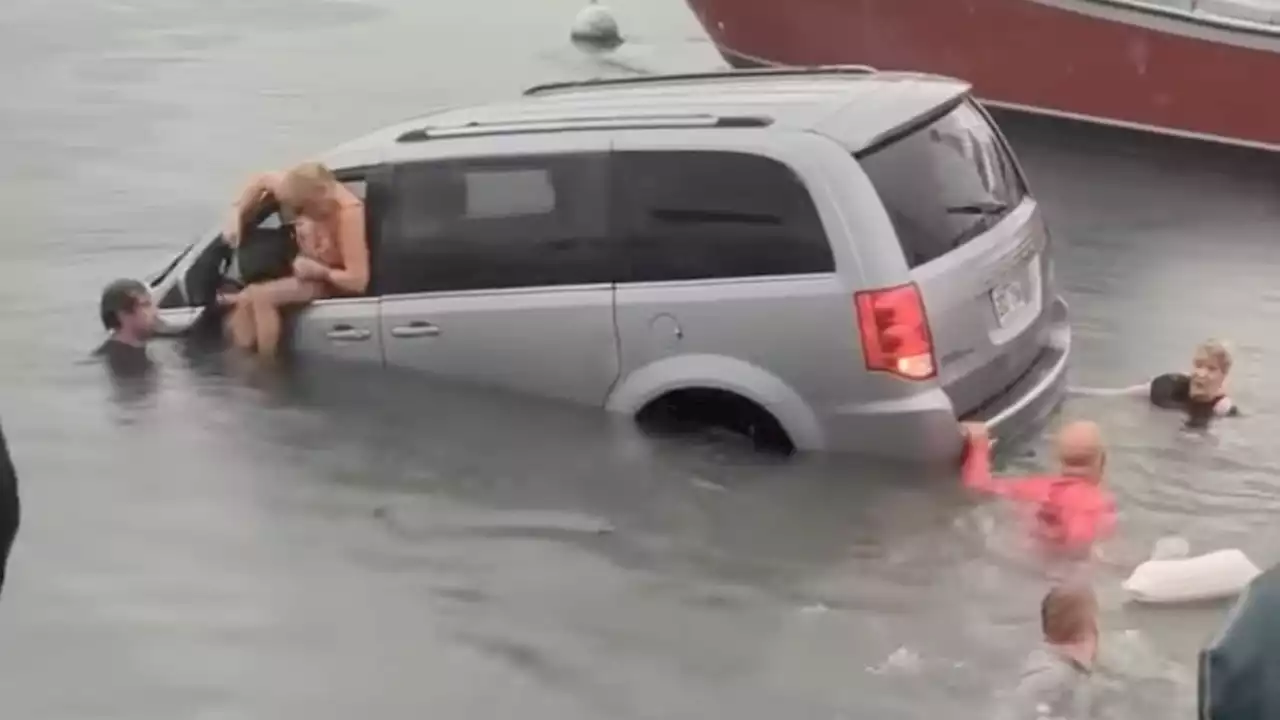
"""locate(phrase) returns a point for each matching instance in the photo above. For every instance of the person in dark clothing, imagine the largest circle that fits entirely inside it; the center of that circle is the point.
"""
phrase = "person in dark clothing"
(130, 316)
(10, 509)
(1201, 393)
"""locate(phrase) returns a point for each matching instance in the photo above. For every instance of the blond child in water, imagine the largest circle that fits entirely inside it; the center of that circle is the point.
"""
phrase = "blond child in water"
(1201, 393)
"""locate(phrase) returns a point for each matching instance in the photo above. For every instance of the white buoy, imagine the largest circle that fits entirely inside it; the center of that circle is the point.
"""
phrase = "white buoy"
(1172, 575)
(595, 27)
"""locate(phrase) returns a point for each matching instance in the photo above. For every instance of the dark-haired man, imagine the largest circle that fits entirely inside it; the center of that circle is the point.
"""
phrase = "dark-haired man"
(130, 316)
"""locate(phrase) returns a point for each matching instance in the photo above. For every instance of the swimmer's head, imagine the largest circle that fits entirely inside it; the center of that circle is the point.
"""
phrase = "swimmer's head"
(1209, 368)
(1081, 452)
(1069, 615)
(126, 309)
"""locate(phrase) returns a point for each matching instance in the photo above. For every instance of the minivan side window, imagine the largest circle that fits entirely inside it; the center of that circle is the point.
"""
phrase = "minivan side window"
(945, 183)
(495, 223)
(691, 215)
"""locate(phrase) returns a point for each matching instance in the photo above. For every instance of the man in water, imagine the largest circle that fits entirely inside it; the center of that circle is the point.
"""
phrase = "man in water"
(130, 316)
(1071, 510)
(1055, 680)
(10, 508)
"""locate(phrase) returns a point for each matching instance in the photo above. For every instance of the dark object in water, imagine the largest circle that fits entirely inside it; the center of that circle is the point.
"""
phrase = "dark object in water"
(1199, 412)
(10, 506)
(1171, 391)
(1238, 669)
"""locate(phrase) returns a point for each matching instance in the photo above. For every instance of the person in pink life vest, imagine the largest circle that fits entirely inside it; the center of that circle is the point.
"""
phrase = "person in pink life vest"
(1070, 510)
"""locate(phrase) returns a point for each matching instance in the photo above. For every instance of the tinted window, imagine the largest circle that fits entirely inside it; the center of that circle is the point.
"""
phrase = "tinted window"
(490, 224)
(694, 215)
(945, 184)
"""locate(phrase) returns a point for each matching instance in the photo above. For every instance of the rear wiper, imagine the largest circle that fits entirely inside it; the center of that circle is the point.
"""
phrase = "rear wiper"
(979, 208)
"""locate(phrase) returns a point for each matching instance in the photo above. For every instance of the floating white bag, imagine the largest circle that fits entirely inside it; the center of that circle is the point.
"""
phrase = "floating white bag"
(1171, 577)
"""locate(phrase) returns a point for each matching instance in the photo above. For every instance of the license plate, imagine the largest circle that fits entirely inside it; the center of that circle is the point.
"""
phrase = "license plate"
(1013, 295)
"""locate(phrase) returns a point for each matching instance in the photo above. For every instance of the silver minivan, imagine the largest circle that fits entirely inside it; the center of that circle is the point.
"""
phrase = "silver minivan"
(824, 258)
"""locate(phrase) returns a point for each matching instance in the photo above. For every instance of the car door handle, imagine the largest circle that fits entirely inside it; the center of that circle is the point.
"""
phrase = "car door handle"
(346, 333)
(415, 329)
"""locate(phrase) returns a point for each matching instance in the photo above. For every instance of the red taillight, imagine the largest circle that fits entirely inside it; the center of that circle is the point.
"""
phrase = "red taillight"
(895, 332)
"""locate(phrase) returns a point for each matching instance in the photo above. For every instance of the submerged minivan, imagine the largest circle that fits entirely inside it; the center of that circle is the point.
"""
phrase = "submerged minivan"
(828, 258)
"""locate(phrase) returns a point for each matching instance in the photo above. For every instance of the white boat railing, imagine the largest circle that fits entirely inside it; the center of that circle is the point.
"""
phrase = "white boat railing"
(1259, 17)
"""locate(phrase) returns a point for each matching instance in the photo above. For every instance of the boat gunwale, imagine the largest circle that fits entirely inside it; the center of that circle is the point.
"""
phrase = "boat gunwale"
(1149, 7)
(1052, 112)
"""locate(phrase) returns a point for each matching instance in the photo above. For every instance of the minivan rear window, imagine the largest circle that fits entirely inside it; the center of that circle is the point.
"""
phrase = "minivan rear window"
(945, 183)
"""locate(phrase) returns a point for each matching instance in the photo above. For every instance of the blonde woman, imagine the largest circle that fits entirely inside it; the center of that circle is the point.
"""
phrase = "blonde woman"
(333, 253)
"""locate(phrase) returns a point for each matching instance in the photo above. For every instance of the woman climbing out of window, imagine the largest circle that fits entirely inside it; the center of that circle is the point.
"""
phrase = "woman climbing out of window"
(333, 253)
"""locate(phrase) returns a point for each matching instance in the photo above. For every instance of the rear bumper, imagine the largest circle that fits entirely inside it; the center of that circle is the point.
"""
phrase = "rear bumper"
(1021, 408)
(924, 427)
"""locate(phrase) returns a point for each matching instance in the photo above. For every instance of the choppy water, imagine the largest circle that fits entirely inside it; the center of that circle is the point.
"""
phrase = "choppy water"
(224, 544)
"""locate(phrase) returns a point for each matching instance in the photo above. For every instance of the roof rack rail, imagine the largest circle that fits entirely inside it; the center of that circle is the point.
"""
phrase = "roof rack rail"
(773, 71)
(614, 122)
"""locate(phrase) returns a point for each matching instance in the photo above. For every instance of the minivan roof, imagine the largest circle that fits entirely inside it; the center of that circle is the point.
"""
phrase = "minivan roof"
(854, 104)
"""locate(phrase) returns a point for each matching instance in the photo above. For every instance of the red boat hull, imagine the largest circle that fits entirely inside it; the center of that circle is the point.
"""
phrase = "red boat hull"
(1091, 59)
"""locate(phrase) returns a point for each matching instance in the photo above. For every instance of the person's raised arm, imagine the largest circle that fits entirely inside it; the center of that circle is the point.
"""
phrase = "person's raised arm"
(255, 191)
(353, 277)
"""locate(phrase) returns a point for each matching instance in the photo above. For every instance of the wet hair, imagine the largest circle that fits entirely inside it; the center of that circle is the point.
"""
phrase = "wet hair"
(1067, 613)
(118, 298)
(1217, 353)
(303, 184)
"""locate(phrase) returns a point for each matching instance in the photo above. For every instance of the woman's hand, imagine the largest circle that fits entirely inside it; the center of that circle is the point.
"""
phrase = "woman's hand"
(304, 268)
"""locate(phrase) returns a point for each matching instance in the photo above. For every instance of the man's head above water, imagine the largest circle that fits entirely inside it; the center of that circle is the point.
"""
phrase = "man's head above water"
(1069, 620)
(1068, 614)
(1081, 452)
(127, 311)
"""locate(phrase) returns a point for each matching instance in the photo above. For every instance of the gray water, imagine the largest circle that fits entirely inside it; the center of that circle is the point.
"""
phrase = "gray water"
(224, 543)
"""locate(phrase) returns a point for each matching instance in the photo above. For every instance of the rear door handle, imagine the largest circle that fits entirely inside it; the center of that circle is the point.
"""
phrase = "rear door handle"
(346, 333)
(415, 329)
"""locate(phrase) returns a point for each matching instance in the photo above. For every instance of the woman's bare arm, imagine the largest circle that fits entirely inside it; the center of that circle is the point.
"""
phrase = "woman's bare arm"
(353, 277)
(255, 191)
